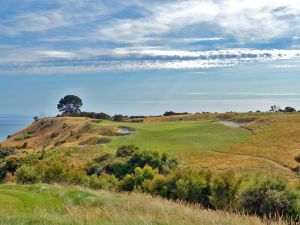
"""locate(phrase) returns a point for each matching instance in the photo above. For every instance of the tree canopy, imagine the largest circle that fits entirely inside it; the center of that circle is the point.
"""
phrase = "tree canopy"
(69, 104)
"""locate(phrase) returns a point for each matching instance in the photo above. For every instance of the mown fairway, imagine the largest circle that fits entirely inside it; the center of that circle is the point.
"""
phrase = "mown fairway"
(46, 204)
(181, 137)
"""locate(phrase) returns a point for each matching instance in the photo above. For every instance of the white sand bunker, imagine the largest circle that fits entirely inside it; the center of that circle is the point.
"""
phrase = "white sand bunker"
(233, 124)
(125, 130)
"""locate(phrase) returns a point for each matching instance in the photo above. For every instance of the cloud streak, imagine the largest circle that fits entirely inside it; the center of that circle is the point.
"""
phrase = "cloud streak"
(33, 60)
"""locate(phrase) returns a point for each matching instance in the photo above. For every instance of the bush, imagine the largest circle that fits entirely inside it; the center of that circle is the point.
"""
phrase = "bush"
(27, 175)
(186, 185)
(297, 158)
(171, 113)
(224, 190)
(95, 169)
(105, 181)
(55, 172)
(119, 168)
(4, 152)
(128, 183)
(126, 150)
(54, 135)
(76, 177)
(270, 198)
(118, 118)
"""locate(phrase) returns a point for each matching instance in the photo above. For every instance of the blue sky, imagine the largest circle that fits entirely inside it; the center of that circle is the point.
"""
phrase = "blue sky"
(145, 57)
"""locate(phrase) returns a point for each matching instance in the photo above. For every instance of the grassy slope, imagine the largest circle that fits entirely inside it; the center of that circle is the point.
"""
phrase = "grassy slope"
(195, 140)
(45, 204)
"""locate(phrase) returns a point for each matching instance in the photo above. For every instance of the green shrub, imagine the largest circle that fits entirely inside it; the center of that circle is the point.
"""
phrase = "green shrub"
(126, 150)
(27, 175)
(103, 158)
(157, 186)
(105, 181)
(224, 190)
(76, 177)
(55, 172)
(23, 137)
(4, 152)
(119, 168)
(270, 198)
(95, 169)
(128, 183)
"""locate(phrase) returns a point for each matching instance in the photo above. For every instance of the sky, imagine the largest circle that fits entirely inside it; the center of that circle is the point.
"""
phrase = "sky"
(146, 57)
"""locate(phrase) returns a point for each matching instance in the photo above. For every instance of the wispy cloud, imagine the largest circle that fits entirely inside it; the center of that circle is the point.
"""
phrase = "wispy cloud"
(35, 60)
(245, 94)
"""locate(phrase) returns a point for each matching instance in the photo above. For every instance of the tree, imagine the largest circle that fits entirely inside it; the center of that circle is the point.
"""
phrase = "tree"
(275, 108)
(118, 118)
(69, 104)
(289, 109)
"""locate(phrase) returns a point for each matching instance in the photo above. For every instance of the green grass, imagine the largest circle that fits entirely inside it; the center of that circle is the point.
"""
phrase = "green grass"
(178, 137)
(33, 204)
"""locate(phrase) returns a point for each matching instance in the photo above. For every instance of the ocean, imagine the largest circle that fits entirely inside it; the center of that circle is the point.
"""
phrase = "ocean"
(10, 124)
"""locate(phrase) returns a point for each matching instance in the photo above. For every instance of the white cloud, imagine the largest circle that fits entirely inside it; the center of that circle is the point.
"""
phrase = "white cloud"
(245, 20)
(57, 54)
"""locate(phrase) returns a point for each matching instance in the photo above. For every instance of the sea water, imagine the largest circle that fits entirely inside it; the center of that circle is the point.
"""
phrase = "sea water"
(10, 124)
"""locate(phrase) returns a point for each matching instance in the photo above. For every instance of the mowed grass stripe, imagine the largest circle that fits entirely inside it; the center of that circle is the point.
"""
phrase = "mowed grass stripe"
(28, 200)
(180, 137)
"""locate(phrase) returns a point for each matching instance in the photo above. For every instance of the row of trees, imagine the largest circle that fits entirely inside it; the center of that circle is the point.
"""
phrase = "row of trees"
(276, 108)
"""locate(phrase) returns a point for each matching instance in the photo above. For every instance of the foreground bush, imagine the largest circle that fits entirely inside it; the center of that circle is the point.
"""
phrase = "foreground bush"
(224, 190)
(271, 198)
(27, 175)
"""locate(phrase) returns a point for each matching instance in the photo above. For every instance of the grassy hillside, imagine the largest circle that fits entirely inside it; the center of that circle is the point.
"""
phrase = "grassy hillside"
(46, 204)
(267, 144)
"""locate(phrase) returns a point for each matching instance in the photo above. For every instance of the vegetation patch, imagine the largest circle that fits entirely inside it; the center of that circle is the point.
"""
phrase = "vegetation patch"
(95, 141)
(46, 123)
(23, 137)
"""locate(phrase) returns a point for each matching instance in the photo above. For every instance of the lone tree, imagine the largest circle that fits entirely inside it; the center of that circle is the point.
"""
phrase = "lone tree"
(69, 104)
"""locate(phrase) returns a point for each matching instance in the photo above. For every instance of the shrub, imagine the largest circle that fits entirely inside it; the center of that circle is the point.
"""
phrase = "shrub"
(105, 181)
(118, 118)
(27, 175)
(55, 172)
(297, 158)
(224, 190)
(126, 150)
(94, 182)
(76, 177)
(128, 183)
(119, 168)
(95, 169)
(270, 198)
(25, 145)
(153, 159)
(4, 152)
(54, 135)
(103, 157)
(23, 137)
